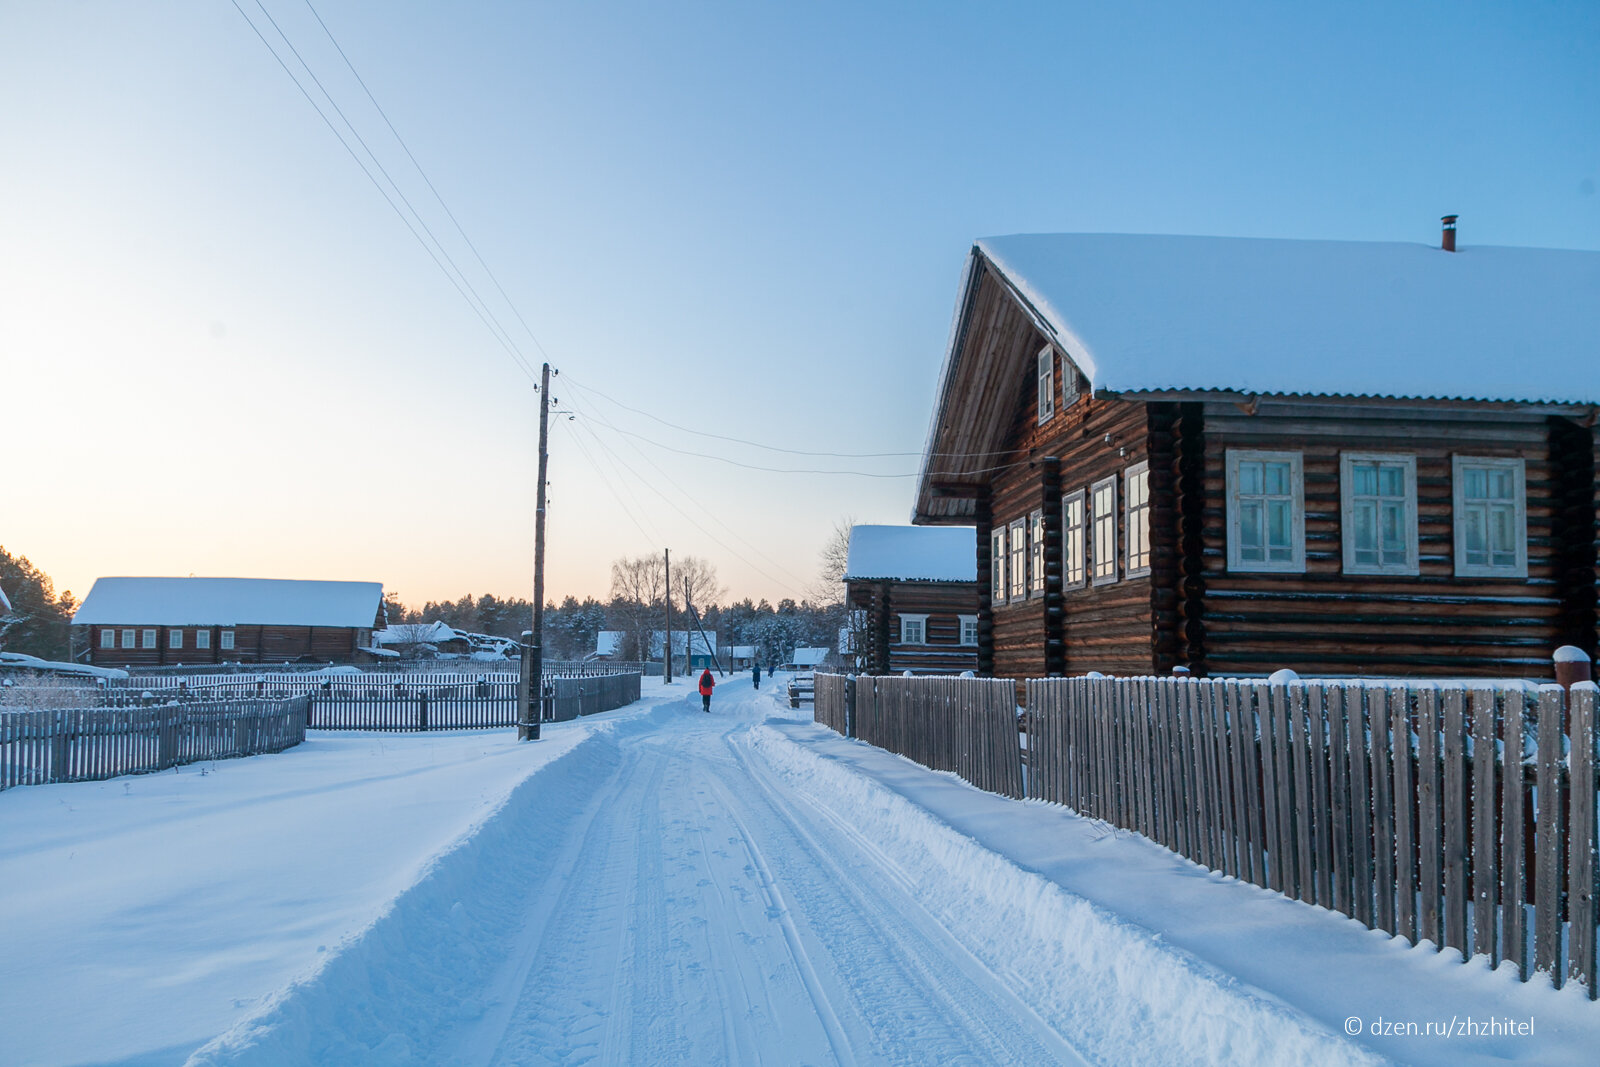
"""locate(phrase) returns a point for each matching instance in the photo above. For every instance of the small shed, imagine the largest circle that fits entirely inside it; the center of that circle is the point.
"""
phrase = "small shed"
(912, 593)
(146, 622)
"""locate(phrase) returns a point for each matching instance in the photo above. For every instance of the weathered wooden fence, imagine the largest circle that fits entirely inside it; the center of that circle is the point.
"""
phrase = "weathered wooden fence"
(89, 744)
(967, 726)
(1462, 815)
(396, 702)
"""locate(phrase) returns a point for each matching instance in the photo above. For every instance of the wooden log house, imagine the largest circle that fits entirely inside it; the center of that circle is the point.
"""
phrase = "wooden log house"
(1239, 455)
(150, 622)
(913, 600)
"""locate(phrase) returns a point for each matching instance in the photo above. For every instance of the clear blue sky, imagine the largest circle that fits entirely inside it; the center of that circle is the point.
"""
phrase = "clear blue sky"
(224, 353)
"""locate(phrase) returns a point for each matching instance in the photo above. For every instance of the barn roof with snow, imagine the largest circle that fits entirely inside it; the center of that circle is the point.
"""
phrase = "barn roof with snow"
(1145, 312)
(911, 554)
(230, 602)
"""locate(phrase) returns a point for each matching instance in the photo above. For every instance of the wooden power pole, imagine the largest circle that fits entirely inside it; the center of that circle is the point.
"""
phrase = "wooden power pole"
(531, 695)
(666, 657)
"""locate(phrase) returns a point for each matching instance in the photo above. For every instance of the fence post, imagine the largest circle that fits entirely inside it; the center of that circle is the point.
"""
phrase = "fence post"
(422, 710)
(850, 705)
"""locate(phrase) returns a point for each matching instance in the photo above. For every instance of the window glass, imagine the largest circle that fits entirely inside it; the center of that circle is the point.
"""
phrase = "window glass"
(227, 639)
(1266, 511)
(1379, 507)
(1047, 383)
(1019, 561)
(1073, 529)
(149, 639)
(1103, 501)
(174, 638)
(912, 629)
(1136, 491)
(969, 629)
(128, 637)
(108, 639)
(1490, 517)
(997, 566)
(1036, 553)
(202, 639)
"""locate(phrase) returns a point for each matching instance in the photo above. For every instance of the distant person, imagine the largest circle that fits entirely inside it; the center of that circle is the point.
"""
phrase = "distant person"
(707, 684)
(755, 674)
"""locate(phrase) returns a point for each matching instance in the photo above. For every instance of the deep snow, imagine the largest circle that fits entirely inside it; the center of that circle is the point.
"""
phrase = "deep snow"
(660, 885)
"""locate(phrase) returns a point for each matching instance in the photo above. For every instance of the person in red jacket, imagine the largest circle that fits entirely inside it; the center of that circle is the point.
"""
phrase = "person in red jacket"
(707, 684)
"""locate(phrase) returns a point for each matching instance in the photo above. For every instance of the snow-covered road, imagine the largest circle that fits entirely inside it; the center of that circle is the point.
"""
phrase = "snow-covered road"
(658, 885)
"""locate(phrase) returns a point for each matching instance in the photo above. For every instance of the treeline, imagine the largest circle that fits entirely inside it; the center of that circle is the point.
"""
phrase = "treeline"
(39, 623)
(572, 628)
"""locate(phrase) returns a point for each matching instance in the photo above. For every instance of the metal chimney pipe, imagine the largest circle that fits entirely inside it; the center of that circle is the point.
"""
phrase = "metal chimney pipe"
(1449, 242)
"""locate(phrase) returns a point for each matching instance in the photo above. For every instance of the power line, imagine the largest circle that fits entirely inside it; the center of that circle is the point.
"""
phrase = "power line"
(493, 327)
(429, 182)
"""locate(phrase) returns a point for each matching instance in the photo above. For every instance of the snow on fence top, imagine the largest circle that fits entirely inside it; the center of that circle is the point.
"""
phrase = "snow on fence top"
(1153, 312)
(912, 554)
(230, 602)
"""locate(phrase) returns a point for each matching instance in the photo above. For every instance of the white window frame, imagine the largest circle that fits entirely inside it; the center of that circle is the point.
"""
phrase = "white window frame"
(1069, 383)
(968, 622)
(108, 637)
(920, 622)
(1000, 589)
(1036, 553)
(1075, 535)
(227, 641)
(1458, 512)
(1044, 374)
(1136, 520)
(149, 638)
(202, 639)
(130, 639)
(1296, 563)
(1098, 552)
(174, 638)
(1017, 559)
(1347, 460)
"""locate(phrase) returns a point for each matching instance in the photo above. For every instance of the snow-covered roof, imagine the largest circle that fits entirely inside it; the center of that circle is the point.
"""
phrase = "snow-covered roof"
(809, 657)
(23, 662)
(1151, 312)
(608, 642)
(742, 651)
(912, 554)
(417, 633)
(229, 602)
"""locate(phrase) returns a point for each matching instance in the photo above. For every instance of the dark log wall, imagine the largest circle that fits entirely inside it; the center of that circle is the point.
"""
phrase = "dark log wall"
(251, 644)
(1574, 528)
(983, 517)
(1104, 628)
(943, 602)
(1325, 622)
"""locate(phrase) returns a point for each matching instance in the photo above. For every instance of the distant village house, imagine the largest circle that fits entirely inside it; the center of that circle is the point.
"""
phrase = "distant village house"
(912, 593)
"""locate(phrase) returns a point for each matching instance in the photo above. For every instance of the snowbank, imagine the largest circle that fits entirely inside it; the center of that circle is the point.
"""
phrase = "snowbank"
(1102, 983)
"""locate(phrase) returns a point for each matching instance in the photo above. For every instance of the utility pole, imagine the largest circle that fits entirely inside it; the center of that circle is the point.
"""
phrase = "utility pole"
(666, 658)
(531, 695)
(695, 616)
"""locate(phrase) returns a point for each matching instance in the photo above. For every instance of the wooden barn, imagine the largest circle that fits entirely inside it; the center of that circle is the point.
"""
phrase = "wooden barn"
(1238, 455)
(913, 597)
(148, 622)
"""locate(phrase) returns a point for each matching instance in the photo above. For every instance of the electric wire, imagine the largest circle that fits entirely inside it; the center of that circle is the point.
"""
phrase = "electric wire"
(494, 330)
(606, 481)
(451, 215)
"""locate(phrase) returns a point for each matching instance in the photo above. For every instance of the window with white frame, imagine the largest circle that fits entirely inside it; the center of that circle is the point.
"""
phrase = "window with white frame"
(1379, 513)
(913, 629)
(1103, 530)
(997, 566)
(174, 638)
(1069, 383)
(1046, 374)
(149, 639)
(969, 629)
(129, 637)
(202, 639)
(1266, 511)
(1491, 517)
(1136, 501)
(108, 639)
(1019, 560)
(1036, 554)
(227, 640)
(1074, 530)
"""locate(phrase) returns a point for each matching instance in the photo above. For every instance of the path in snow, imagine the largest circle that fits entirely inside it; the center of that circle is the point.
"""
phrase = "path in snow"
(710, 916)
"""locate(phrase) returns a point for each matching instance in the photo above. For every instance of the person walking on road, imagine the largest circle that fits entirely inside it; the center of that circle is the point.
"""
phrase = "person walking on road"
(755, 674)
(707, 684)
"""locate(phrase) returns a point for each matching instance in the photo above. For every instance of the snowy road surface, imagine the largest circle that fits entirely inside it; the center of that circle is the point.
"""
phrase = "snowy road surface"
(658, 885)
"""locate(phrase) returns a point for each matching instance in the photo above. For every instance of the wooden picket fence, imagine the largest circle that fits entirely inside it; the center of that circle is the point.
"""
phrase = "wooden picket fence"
(1457, 814)
(91, 744)
(967, 726)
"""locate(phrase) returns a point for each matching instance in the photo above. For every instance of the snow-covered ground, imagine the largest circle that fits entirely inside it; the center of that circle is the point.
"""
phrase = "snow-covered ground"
(660, 885)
